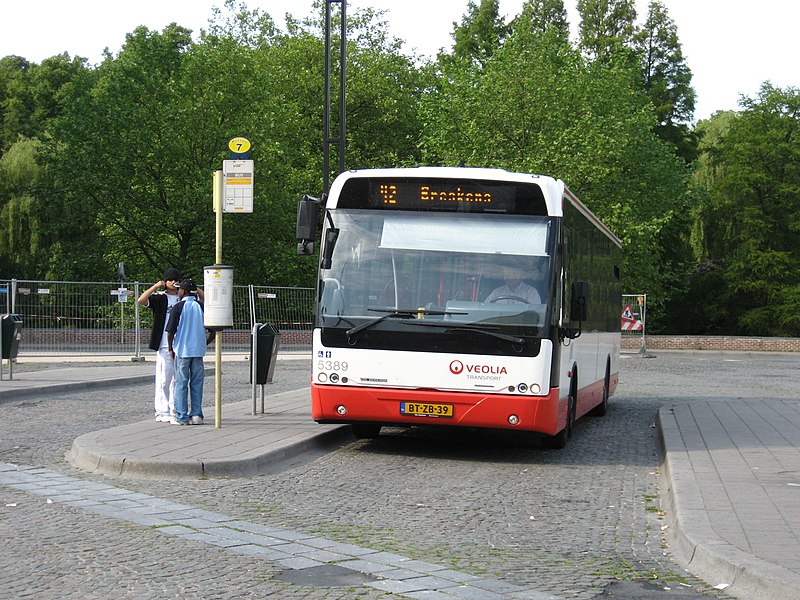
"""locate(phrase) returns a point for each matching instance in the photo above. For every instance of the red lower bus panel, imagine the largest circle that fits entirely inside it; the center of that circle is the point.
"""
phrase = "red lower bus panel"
(545, 414)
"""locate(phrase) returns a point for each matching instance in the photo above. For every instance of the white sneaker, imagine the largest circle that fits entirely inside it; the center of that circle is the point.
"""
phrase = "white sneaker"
(175, 421)
(196, 420)
(162, 419)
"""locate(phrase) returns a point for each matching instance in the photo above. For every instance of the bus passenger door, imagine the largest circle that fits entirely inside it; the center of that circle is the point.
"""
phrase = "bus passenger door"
(561, 350)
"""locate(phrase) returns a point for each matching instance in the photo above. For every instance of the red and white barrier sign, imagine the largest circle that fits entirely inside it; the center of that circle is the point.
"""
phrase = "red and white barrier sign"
(629, 320)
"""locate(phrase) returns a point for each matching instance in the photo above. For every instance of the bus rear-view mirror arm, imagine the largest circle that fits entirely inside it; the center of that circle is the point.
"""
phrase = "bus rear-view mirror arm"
(578, 309)
(331, 235)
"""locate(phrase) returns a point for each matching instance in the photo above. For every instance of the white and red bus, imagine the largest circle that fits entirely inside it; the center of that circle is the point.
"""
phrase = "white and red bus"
(461, 297)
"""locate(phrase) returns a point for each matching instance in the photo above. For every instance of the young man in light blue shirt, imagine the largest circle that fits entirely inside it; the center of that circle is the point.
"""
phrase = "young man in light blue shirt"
(187, 340)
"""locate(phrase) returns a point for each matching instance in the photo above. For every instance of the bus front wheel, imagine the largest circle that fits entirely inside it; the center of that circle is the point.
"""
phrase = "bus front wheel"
(559, 440)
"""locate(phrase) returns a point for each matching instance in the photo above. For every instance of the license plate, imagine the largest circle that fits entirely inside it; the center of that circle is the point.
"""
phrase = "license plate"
(426, 409)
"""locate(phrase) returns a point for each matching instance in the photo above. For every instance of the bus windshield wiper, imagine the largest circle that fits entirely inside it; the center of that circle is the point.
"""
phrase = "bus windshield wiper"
(450, 327)
(514, 339)
(401, 313)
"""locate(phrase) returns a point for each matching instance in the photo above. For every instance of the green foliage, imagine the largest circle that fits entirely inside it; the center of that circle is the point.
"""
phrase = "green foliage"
(539, 106)
(30, 94)
(541, 15)
(747, 230)
(113, 162)
(607, 27)
(132, 144)
(667, 80)
(481, 32)
(33, 226)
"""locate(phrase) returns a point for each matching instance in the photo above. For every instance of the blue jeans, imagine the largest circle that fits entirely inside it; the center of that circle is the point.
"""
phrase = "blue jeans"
(189, 375)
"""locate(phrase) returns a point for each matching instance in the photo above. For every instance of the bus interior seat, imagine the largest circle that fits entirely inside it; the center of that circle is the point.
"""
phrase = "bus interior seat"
(332, 302)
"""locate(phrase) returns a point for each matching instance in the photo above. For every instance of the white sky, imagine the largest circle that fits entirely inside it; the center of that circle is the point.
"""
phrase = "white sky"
(731, 46)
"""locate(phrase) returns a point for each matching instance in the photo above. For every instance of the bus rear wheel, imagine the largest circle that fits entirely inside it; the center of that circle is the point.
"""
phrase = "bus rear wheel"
(366, 431)
(601, 409)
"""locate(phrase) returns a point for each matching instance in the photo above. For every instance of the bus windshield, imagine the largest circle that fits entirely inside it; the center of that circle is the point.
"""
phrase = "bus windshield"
(400, 271)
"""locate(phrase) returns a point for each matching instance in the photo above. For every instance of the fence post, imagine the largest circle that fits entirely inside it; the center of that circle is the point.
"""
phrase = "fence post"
(642, 298)
(252, 300)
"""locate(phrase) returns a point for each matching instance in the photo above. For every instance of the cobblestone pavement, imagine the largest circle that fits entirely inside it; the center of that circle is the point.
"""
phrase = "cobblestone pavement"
(566, 522)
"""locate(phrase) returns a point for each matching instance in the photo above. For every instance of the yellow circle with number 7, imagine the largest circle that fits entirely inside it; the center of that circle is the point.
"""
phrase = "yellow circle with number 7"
(239, 145)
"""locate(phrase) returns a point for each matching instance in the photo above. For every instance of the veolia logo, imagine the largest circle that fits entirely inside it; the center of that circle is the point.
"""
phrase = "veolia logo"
(457, 367)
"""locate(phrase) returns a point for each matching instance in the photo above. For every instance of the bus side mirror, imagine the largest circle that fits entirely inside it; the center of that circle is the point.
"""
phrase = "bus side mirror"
(307, 217)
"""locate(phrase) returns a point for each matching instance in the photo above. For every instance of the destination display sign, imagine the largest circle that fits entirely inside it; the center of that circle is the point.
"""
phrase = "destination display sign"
(449, 195)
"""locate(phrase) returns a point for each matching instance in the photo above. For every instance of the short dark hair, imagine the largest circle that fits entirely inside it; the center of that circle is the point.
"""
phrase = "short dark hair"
(172, 274)
(188, 286)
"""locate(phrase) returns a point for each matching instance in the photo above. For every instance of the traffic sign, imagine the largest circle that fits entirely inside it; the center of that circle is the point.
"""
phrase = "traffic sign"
(630, 322)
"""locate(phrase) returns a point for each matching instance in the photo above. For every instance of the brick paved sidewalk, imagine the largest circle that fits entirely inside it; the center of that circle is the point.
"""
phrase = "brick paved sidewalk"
(732, 492)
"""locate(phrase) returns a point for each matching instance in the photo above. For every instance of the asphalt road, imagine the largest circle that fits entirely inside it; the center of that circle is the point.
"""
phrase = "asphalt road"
(578, 523)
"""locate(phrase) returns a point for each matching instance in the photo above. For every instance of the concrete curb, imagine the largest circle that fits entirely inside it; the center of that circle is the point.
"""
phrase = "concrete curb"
(89, 455)
(693, 541)
(244, 445)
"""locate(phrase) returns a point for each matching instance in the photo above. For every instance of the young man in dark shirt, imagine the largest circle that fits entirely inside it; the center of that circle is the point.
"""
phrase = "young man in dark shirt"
(161, 303)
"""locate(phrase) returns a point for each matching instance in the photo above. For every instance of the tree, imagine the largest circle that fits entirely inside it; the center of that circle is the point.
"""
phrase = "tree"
(146, 169)
(384, 88)
(30, 94)
(480, 33)
(667, 80)
(750, 218)
(542, 15)
(539, 106)
(607, 27)
(20, 234)
(159, 115)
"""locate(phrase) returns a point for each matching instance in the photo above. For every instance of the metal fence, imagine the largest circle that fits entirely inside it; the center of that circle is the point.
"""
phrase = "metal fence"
(68, 317)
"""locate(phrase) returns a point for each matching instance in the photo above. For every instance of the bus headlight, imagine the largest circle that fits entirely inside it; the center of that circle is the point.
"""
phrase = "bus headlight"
(322, 377)
(341, 410)
(513, 420)
(535, 388)
(522, 387)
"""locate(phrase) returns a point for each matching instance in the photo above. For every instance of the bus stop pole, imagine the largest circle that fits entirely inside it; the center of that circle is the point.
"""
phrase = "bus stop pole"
(217, 339)
(254, 363)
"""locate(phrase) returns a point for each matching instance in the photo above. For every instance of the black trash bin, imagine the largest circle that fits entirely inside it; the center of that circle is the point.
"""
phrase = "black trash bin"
(264, 352)
(10, 333)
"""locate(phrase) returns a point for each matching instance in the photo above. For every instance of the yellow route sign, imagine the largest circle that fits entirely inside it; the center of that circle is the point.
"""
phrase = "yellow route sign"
(239, 145)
